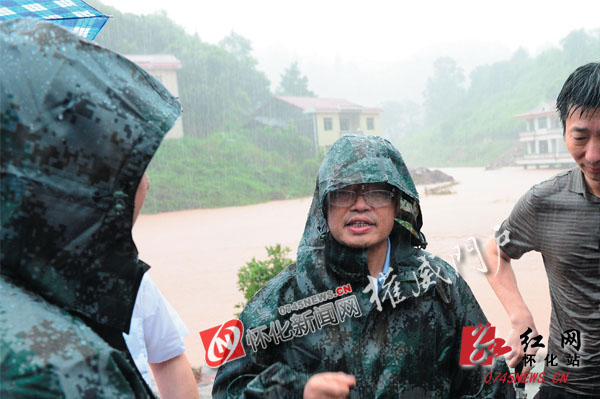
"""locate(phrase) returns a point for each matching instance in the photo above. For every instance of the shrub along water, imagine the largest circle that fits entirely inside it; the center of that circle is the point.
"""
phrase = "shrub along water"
(256, 273)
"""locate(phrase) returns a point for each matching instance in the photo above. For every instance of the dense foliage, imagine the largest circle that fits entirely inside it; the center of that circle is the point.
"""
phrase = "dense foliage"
(227, 169)
(218, 163)
(256, 273)
(475, 125)
(219, 85)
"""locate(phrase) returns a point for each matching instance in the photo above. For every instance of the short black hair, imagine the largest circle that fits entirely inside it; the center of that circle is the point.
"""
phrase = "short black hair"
(581, 91)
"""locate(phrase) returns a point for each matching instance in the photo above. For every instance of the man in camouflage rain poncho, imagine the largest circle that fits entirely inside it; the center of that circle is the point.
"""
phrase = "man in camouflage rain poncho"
(79, 126)
(393, 340)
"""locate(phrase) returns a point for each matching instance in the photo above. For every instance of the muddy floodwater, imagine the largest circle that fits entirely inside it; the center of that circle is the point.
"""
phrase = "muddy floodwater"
(195, 254)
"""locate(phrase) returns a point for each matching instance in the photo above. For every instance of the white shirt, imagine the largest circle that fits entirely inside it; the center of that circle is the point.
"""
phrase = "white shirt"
(156, 332)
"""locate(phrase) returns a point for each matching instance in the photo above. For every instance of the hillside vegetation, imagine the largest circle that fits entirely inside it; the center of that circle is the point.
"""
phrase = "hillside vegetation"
(227, 169)
(474, 125)
(464, 122)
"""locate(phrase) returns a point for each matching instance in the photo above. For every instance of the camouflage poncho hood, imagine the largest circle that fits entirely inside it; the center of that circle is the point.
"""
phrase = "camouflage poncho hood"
(352, 160)
(79, 126)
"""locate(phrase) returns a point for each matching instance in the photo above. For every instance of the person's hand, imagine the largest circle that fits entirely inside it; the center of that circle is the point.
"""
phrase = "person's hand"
(516, 354)
(329, 386)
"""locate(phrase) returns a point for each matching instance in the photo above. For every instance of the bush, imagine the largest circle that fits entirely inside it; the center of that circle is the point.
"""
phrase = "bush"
(256, 273)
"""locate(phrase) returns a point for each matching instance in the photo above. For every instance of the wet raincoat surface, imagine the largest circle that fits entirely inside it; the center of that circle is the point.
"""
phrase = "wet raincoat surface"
(79, 126)
(404, 342)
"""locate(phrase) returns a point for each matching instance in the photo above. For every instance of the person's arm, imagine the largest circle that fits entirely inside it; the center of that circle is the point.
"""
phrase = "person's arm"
(502, 279)
(174, 378)
(163, 337)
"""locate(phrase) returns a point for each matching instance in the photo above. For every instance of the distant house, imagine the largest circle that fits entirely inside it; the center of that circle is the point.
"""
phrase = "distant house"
(543, 138)
(322, 120)
(164, 68)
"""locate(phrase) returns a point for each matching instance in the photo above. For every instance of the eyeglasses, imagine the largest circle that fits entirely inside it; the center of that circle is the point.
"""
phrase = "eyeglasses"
(374, 198)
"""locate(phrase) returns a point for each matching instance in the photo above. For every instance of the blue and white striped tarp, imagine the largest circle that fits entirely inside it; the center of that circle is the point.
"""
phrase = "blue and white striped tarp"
(75, 15)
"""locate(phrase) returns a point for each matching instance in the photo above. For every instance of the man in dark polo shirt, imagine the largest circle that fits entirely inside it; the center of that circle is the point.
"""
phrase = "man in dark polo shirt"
(560, 218)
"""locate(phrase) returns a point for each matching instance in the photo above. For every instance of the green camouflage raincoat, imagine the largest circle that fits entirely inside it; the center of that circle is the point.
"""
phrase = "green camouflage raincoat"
(79, 126)
(403, 342)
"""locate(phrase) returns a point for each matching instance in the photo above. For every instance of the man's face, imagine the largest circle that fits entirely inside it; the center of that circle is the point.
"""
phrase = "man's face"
(582, 138)
(361, 225)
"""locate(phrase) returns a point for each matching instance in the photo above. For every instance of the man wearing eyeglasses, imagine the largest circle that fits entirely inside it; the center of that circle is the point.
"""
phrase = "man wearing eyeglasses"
(393, 331)
(362, 216)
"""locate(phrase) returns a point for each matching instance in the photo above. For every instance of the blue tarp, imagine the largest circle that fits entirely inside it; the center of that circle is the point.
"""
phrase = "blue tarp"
(74, 15)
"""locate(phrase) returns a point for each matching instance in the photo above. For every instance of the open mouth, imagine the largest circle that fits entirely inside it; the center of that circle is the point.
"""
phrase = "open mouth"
(359, 224)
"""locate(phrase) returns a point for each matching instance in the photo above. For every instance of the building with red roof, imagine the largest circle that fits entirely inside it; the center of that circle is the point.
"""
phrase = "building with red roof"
(322, 120)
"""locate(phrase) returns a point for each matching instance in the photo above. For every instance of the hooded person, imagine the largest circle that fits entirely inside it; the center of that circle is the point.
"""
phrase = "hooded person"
(79, 126)
(337, 324)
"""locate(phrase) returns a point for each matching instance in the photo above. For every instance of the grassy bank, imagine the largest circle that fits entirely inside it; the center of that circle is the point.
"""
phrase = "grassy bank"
(228, 169)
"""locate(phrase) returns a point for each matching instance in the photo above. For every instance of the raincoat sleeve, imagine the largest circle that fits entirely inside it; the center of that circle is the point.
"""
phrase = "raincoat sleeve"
(260, 374)
(469, 381)
(244, 378)
(264, 373)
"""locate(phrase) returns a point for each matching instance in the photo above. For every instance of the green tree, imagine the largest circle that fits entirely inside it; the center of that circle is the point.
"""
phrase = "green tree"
(481, 127)
(219, 85)
(219, 90)
(444, 90)
(293, 83)
(239, 47)
(578, 45)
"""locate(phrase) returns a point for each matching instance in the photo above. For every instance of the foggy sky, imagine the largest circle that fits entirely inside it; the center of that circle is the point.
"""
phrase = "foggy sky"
(346, 47)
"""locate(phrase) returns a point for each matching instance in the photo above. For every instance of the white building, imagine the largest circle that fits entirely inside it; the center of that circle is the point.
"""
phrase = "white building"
(543, 138)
